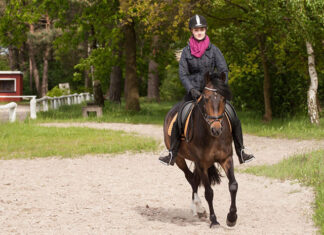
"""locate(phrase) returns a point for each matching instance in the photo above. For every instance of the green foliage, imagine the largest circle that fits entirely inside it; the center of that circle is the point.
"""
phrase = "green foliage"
(88, 34)
(16, 141)
(56, 92)
(102, 60)
(308, 169)
(4, 64)
(171, 87)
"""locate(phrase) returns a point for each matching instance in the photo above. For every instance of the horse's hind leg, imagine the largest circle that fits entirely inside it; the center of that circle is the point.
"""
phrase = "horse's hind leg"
(194, 180)
(233, 186)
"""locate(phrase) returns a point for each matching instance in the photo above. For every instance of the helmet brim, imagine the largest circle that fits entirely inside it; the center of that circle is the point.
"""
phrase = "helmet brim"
(199, 26)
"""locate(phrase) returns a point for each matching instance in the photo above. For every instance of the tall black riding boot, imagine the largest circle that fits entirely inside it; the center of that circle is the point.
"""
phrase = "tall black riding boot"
(175, 144)
(237, 134)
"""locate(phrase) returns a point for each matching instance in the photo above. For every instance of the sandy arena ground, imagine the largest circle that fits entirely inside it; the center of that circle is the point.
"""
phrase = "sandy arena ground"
(135, 194)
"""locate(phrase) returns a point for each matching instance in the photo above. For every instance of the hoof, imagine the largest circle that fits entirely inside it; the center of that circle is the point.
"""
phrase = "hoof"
(214, 225)
(231, 219)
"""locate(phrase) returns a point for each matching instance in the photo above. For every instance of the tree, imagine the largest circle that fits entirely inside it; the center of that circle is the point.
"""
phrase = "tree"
(308, 18)
(260, 23)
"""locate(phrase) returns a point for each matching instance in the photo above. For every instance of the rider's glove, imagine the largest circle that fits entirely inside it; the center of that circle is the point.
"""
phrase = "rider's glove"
(195, 93)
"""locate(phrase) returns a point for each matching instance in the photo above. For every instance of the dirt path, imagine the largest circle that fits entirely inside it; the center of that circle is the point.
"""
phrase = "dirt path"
(135, 194)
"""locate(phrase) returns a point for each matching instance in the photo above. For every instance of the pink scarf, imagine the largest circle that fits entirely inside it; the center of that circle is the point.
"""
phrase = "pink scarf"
(198, 48)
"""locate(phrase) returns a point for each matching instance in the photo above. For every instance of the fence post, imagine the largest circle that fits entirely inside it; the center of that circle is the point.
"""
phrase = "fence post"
(45, 105)
(55, 103)
(12, 111)
(33, 108)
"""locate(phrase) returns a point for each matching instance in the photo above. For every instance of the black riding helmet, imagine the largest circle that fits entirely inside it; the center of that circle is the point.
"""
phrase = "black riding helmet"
(197, 21)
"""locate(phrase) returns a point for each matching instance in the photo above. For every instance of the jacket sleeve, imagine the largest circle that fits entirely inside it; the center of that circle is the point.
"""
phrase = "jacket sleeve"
(221, 63)
(184, 74)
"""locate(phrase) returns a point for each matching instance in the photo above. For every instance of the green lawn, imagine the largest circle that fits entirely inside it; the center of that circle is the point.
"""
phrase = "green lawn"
(308, 169)
(298, 127)
(153, 113)
(23, 140)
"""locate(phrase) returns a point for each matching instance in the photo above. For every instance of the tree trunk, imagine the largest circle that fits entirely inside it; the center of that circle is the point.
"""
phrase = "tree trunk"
(45, 60)
(266, 81)
(45, 70)
(31, 53)
(30, 74)
(114, 92)
(87, 78)
(13, 58)
(91, 79)
(132, 91)
(312, 91)
(153, 77)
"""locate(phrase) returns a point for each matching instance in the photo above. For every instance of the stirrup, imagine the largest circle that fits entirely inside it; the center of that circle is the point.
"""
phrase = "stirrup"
(241, 156)
(171, 157)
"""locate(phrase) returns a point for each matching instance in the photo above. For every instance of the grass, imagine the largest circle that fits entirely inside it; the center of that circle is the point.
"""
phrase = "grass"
(308, 169)
(153, 113)
(298, 127)
(150, 113)
(24, 140)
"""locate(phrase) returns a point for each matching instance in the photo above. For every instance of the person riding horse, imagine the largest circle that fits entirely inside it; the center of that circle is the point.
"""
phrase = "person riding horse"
(198, 58)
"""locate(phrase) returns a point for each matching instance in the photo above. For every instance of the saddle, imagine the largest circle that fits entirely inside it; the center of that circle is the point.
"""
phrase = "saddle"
(183, 117)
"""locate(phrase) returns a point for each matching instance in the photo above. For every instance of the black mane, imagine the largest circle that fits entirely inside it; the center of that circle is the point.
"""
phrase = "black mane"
(221, 87)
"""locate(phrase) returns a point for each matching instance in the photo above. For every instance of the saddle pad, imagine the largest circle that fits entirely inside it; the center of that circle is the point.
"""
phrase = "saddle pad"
(171, 124)
(186, 124)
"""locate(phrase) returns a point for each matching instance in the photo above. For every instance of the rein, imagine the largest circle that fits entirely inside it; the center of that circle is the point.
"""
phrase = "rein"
(208, 117)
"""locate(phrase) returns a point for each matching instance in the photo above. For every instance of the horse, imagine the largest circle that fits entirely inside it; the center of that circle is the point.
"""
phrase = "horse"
(211, 143)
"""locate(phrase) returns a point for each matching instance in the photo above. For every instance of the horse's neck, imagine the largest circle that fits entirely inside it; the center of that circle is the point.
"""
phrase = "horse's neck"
(200, 124)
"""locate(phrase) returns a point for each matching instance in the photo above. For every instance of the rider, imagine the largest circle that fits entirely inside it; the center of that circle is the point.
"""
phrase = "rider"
(199, 57)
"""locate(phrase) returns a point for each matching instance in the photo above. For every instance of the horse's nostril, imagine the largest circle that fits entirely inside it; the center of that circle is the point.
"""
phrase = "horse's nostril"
(216, 131)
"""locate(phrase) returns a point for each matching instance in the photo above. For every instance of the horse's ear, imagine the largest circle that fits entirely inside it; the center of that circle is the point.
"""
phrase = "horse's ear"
(223, 76)
(207, 78)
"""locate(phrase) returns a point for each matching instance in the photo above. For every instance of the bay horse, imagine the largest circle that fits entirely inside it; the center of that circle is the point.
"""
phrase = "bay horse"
(211, 143)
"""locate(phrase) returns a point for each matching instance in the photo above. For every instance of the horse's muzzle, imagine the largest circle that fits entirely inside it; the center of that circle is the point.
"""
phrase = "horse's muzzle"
(215, 131)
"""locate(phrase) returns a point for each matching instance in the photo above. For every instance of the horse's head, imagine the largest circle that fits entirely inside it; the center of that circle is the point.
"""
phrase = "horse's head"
(215, 94)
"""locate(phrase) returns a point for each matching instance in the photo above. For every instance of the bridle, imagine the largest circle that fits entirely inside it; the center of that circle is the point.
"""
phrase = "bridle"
(206, 117)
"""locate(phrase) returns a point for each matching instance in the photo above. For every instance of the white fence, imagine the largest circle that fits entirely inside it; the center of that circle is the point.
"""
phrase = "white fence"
(45, 103)
(12, 110)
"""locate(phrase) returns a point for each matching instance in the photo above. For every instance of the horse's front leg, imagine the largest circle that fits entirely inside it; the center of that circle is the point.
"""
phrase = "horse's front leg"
(228, 167)
(209, 195)
(194, 180)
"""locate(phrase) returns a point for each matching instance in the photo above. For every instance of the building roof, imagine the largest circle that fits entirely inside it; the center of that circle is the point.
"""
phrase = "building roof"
(10, 72)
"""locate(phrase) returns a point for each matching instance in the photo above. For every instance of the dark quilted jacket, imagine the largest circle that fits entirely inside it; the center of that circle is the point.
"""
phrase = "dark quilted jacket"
(192, 69)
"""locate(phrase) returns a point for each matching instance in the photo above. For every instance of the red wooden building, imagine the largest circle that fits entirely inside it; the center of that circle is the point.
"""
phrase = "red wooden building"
(11, 84)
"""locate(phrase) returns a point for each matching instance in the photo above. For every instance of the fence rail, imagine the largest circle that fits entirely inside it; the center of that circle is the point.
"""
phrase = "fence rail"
(12, 110)
(45, 103)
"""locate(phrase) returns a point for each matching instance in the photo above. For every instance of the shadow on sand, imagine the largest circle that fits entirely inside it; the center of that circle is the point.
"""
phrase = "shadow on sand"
(181, 217)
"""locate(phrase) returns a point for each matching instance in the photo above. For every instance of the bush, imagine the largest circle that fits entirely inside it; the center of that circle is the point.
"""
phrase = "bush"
(56, 91)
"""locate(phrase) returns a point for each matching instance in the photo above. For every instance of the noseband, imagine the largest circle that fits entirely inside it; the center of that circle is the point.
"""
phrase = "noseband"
(207, 118)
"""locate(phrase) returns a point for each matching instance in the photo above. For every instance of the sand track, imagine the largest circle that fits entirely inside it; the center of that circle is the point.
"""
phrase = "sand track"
(135, 194)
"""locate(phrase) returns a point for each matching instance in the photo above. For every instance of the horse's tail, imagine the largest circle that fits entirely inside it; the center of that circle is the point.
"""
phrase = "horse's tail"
(214, 175)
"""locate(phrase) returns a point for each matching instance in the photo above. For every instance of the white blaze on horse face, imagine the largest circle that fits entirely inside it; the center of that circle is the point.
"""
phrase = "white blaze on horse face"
(196, 206)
